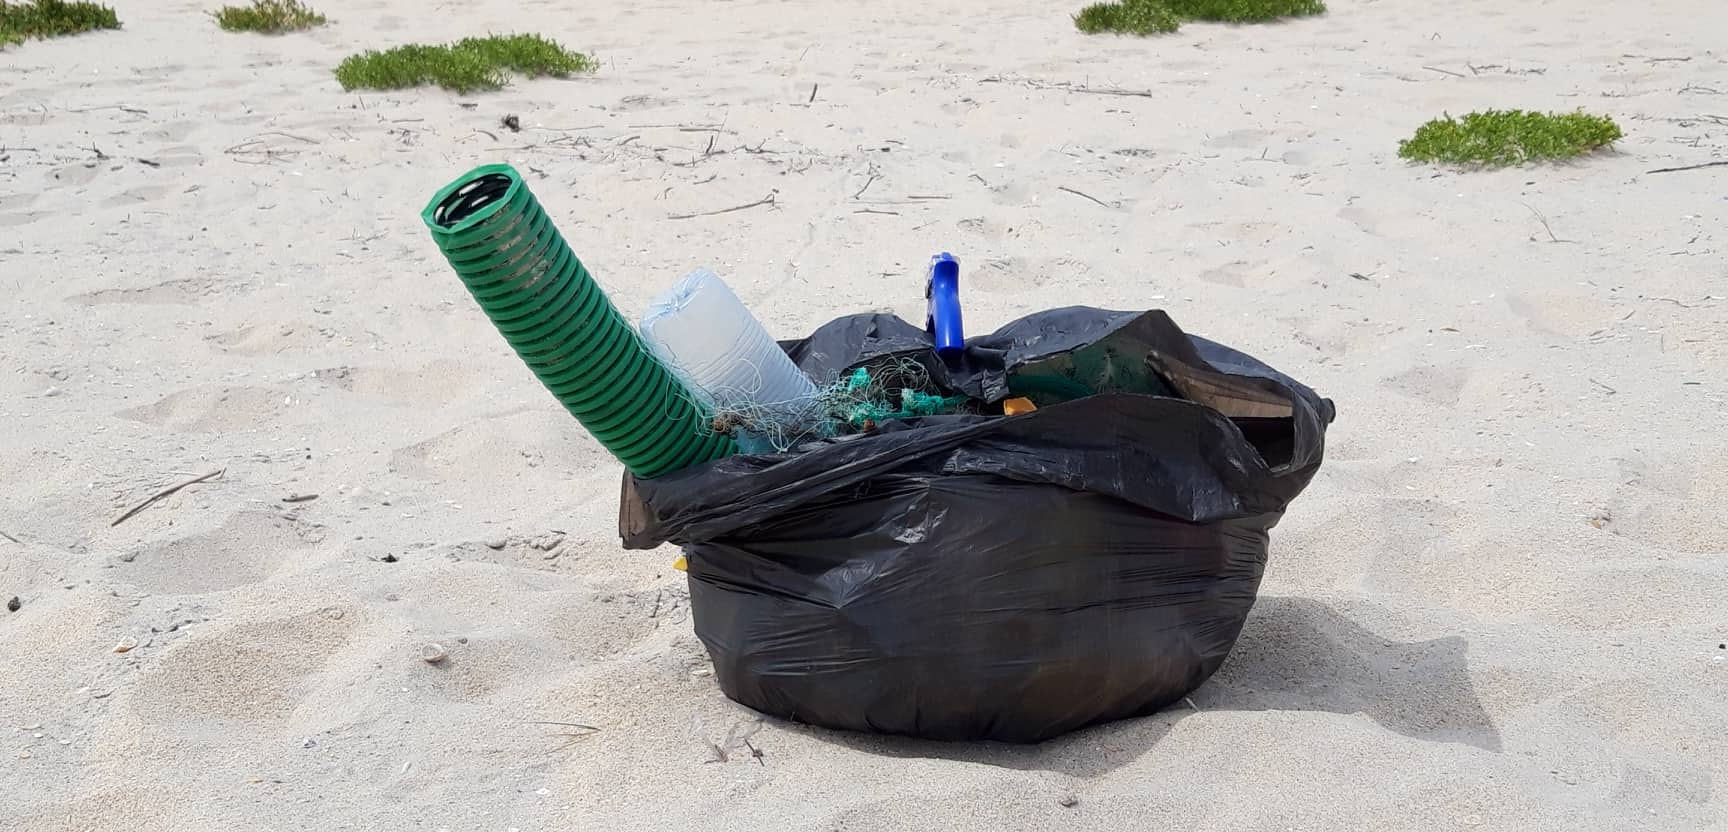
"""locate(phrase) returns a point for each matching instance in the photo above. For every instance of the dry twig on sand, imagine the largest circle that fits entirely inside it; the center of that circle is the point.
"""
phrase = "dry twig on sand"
(577, 733)
(1066, 86)
(767, 200)
(1689, 167)
(164, 493)
(1087, 196)
(1545, 227)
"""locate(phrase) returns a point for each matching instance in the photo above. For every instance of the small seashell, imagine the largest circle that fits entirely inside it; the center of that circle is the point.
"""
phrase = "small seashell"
(433, 654)
(126, 644)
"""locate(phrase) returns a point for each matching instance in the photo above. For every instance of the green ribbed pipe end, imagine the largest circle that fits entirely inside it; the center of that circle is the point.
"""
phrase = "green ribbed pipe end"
(558, 320)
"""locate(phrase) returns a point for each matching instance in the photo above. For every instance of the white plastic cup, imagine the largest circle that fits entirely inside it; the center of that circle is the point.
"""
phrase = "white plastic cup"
(708, 336)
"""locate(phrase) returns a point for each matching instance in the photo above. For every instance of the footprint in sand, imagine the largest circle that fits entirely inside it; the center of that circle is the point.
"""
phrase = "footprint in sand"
(13, 202)
(255, 672)
(1668, 474)
(1569, 316)
(186, 291)
(559, 629)
(602, 625)
(1009, 193)
(428, 385)
(177, 156)
(139, 195)
(1669, 500)
(1238, 274)
(1240, 139)
(269, 339)
(1020, 274)
(1389, 215)
(178, 131)
(247, 548)
(499, 447)
(213, 409)
(981, 227)
(21, 218)
(80, 173)
(1441, 386)
(1332, 338)
(1255, 233)
(473, 672)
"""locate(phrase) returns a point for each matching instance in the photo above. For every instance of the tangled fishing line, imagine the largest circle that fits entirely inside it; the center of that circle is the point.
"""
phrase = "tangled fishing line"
(895, 388)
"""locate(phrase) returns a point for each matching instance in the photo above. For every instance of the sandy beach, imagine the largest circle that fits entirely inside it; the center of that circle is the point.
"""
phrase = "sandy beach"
(1502, 604)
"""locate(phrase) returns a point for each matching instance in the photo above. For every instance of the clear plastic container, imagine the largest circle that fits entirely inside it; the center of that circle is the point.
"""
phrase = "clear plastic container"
(709, 337)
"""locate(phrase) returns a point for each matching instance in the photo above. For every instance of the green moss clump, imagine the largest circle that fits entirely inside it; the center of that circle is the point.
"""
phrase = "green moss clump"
(1150, 17)
(1497, 138)
(52, 19)
(270, 17)
(465, 66)
(1245, 11)
(1127, 17)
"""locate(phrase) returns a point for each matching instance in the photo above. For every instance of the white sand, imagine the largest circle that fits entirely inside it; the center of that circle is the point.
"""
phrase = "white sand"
(1499, 606)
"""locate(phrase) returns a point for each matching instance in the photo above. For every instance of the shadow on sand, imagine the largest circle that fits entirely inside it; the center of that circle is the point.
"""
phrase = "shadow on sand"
(1294, 654)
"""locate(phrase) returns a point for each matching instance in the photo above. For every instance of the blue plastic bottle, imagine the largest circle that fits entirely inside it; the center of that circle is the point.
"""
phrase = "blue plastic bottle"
(942, 306)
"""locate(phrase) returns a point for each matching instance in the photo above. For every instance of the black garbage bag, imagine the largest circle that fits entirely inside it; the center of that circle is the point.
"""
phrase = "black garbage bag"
(987, 577)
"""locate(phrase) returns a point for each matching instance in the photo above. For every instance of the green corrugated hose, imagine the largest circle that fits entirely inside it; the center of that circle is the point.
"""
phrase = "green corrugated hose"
(503, 246)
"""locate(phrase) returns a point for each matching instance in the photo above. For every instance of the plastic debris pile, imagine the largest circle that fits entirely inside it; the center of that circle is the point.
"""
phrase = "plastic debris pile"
(700, 378)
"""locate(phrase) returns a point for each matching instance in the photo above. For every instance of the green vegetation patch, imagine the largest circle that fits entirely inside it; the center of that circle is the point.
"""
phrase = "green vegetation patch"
(1245, 11)
(52, 19)
(1497, 138)
(1128, 17)
(1150, 17)
(465, 66)
(270, 17)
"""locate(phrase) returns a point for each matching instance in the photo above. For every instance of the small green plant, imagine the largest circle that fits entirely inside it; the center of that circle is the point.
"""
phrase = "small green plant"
(52, 19)
(1128, 17)
(464, 66)
(1150, 17)
(1496, 138)
(270, 17)
(1245, 11)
